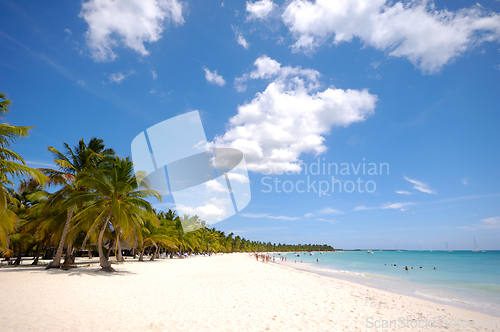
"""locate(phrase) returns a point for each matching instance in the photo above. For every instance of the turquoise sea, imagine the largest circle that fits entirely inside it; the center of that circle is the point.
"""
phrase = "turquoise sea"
(470, 280)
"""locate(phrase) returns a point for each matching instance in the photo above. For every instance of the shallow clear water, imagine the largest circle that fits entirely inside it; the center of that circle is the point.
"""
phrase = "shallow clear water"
(466, 279)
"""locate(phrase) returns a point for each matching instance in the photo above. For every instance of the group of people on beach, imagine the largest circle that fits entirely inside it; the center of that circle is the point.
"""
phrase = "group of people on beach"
(268, 258)
(263, 258)
(406, 267)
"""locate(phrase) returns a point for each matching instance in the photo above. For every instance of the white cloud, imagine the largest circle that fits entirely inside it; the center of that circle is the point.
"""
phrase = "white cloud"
(238, 177)
(266, 215)
(324, 211)
(266, 68)
(414, 29)
(80, 82)
(68, 31)
(242, 41)
(39, 164)
(329, 210)
(283, 217)
(260, 9)
(128, 23)
(362, 208)
(403, 192)
(465, 181)
(209, 211)
(490, 223)
(396, 206)
(423, 187)
(200, 145)
(254, 215)
(116, 77)
(214, 78)
(153, 72)
(119, 76)
(292, 116)
(327, 220)
(214, 186)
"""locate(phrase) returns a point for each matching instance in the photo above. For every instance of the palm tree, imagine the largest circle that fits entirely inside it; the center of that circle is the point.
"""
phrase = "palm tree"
(11, 164)
(113, 199)
(28, 194)
(81, 158)
(161, 235)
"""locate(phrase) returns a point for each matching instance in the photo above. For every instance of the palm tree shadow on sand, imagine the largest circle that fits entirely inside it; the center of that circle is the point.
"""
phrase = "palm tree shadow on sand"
(94, 272)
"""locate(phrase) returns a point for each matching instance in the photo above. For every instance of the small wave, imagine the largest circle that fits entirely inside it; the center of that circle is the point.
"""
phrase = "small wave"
(445, 299)
(346, 272)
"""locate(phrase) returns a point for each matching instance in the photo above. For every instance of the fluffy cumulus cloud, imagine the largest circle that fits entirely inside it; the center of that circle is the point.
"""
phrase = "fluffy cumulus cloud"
(128, 23)
(414, 29)
(290, 117)
(208, 211)
(260, 9)
(214, 78)
(214, 186)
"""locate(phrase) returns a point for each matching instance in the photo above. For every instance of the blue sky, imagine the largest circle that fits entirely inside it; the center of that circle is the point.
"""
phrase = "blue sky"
(413, 84)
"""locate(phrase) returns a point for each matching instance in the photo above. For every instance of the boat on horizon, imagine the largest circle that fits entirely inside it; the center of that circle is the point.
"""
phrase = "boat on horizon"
(448, 250)
(477, 249)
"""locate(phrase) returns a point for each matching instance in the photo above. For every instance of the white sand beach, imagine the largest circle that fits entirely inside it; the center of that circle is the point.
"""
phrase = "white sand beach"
(231, 292)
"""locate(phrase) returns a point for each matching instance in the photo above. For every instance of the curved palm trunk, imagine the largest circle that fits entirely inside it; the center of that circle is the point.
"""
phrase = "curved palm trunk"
(68, 259)
(105, 265)
(37, 254)
(155, 254)
(19, 253)
(56, 262)
(108, 253)
(141, 256)
(119, 257)
(90, 251)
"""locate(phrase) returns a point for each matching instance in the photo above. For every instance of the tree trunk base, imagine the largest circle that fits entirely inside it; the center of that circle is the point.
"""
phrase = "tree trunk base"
(68, 266)
(108, 269)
